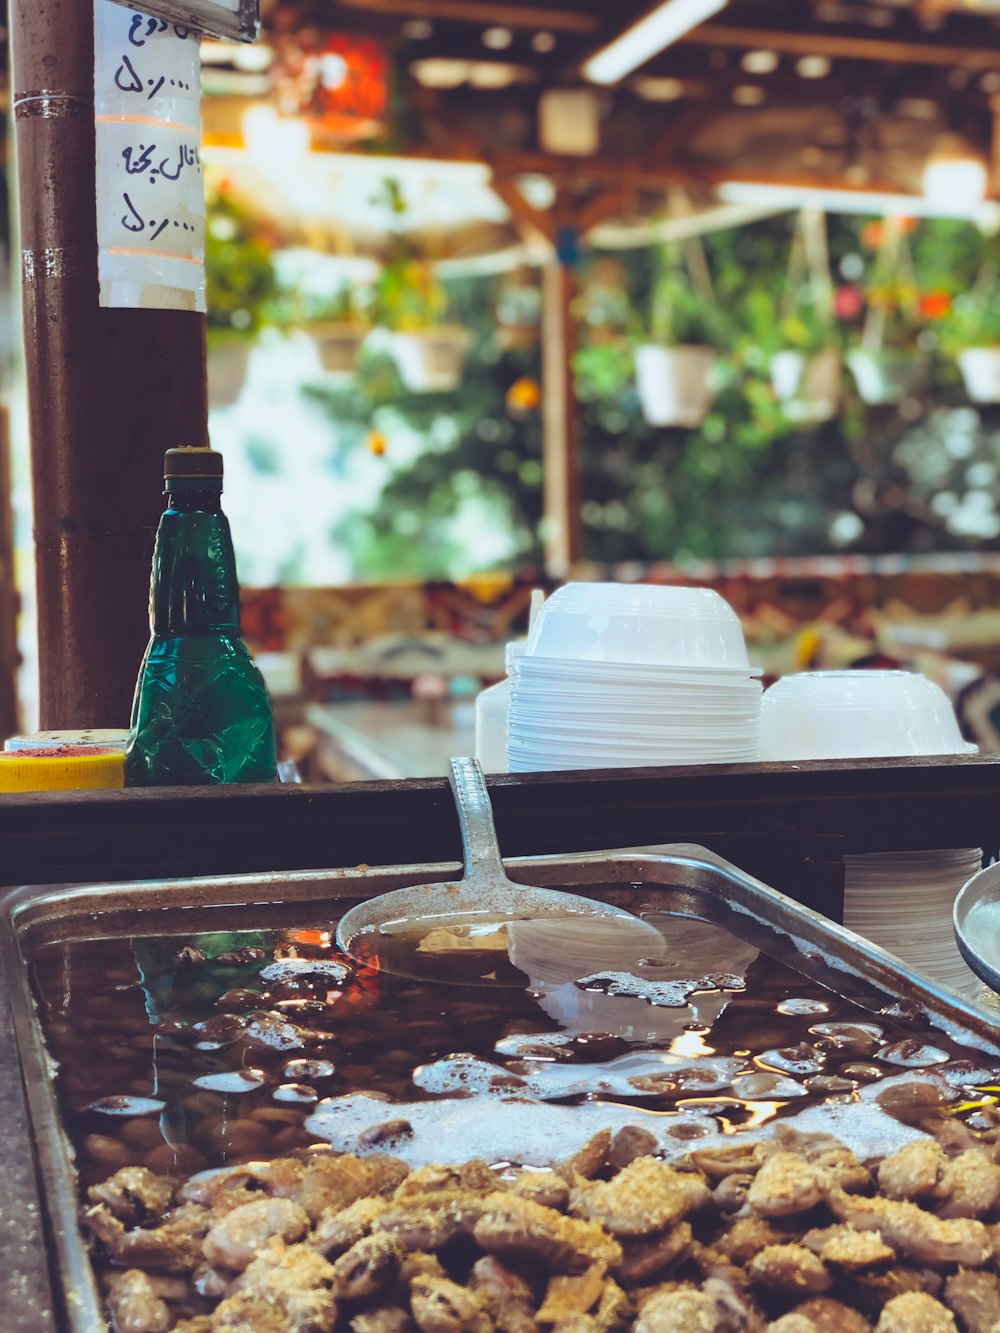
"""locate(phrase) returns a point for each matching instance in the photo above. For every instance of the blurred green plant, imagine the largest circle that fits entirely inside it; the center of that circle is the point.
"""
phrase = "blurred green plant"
(677, 312)
(408, 294)
(241, 286)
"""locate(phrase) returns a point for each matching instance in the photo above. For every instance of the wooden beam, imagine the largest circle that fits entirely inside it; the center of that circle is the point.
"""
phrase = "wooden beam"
(845, 46)
(560, 444)
(603, 207)
(533, 225)
(533, 17)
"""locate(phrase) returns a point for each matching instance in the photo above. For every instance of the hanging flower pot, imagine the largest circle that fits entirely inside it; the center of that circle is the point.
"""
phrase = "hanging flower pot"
(226, 369)
(885, 376)
(338, 345)
(980, 367)
(431, 360)
(674, 383)
(787, 369)
(809, 386)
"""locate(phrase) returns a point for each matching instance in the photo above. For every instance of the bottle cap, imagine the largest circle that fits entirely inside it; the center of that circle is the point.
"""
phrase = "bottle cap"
(190, 462)
(61, 768)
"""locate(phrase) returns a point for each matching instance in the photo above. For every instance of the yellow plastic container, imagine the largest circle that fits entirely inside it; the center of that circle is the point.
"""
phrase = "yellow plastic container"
(61, 768)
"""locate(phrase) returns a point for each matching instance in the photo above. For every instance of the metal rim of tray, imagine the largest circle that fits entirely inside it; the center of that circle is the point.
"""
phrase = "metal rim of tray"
(703, 887)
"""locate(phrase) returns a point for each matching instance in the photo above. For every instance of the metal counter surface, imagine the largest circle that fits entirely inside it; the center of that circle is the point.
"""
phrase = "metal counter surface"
(25, 1281)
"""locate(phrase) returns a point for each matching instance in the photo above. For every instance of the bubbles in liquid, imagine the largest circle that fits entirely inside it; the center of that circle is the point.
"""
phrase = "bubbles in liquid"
(220, 1030)
(913, 1054)
(127, 1106)
(273, 1033)
(802, 1007)
(801, 1059)
(294, 969)
(232, 1081)
(297, 1070)
(295, 1092)
(636, 1074)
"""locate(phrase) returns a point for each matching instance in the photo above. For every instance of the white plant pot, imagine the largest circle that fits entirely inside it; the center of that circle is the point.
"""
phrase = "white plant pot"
(226, 369)
(432, 360)
(887, 376)
(980, 367)
(674, 383)
(787, 369)
(338, 346)
(808, 386)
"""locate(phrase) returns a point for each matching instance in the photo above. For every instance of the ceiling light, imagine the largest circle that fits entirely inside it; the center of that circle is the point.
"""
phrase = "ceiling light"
(829, 199)
(417, 30)
(748, 94)
(760, 62)
(955, 174)
(812, 67)
(440, 72)
(658, 90)
(645, 39)
(543, 43)
(493, 74)
(569, 122)
(497, 39)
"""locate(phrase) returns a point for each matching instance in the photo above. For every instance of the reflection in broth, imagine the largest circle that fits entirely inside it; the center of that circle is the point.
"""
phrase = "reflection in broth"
(484, 948)
(188, 1062)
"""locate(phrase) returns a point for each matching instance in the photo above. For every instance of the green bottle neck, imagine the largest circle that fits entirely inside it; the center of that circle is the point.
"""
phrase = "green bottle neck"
(193, 588)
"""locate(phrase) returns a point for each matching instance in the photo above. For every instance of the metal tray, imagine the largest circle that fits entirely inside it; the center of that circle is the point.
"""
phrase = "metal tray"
(680, 880)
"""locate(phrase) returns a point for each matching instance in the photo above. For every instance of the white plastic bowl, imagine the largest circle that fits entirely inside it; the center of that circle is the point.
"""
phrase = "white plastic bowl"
(856, 715)
(639, 624)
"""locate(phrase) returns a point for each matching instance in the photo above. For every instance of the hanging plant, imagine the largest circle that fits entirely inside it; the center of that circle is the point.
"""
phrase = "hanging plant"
(970, 331)
(888, 363)
(519, 310)
(675, 358)
(411, 302)
(240, 285)
(337, 326)
(806, 364)
(603, 309)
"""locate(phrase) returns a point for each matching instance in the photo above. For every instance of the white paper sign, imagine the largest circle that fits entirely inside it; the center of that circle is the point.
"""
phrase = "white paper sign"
(150, 190)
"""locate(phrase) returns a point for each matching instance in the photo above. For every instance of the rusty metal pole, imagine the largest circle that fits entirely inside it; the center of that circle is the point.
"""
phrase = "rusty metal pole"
(108, 390)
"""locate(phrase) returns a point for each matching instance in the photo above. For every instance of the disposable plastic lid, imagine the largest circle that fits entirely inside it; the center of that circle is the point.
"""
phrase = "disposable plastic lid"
(192, 461)
(61, 768)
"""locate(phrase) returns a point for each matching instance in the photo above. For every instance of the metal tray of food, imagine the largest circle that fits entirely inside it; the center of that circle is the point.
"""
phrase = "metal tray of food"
(682, 881)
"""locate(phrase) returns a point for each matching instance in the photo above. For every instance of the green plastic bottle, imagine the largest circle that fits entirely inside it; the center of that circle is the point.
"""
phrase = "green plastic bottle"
(201, 713)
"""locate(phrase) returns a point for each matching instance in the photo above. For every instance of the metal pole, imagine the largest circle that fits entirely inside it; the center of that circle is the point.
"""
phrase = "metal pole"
(560, 444)
(108, 390)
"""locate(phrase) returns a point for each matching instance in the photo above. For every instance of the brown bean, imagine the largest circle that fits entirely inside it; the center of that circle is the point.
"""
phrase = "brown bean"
(236, 1137)
(180, 1161)
(276, 1115)
(142, 1135)
(107, 1152)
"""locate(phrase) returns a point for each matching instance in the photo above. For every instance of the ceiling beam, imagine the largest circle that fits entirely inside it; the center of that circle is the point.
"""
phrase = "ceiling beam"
(845, 46)
(533, 17)
(532, 224)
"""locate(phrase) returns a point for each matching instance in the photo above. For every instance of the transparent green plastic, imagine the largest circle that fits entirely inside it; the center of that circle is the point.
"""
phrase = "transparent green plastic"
(201, 713)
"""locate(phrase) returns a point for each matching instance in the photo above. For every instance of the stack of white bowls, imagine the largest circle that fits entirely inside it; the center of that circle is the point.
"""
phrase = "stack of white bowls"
(628, 675)
(899, 900)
